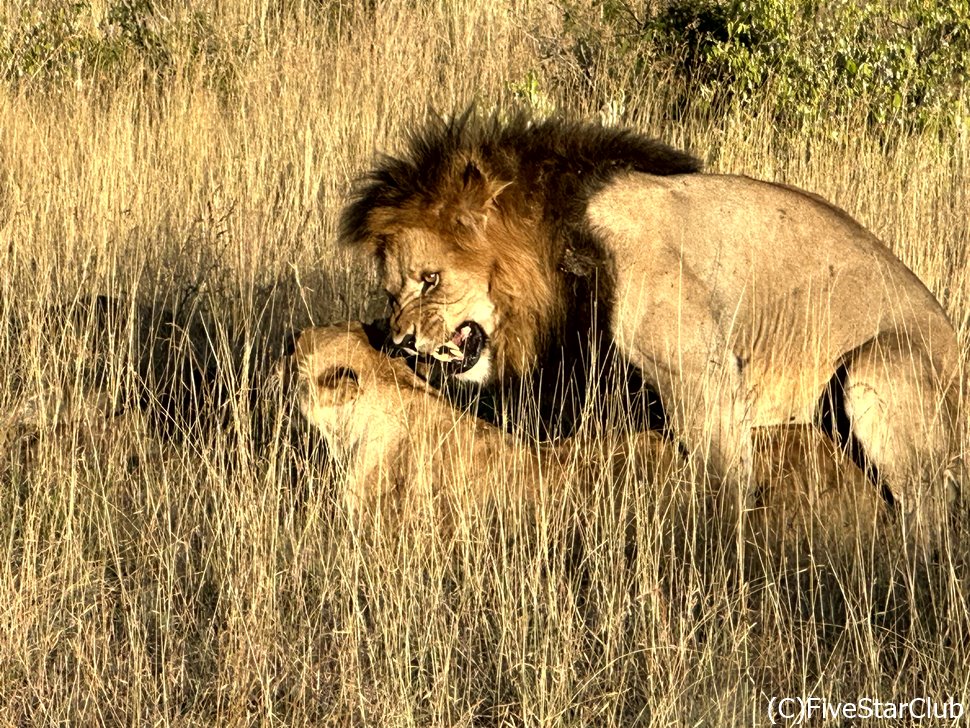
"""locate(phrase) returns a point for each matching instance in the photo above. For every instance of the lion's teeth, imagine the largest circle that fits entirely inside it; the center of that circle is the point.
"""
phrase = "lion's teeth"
(455, 350)
(448, 352)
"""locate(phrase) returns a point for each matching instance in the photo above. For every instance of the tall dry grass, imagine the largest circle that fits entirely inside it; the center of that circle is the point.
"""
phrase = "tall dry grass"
(206, 575)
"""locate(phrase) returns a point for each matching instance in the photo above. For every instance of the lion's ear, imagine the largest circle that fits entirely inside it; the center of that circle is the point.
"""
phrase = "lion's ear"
(338, 385)
(477, 196)
(380, 225)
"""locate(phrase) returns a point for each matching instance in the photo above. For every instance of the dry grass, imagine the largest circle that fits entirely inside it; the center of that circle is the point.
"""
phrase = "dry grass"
(208, 577)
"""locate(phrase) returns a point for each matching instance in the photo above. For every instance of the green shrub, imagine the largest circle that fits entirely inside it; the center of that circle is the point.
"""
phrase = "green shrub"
(66, 42)
(908, 63)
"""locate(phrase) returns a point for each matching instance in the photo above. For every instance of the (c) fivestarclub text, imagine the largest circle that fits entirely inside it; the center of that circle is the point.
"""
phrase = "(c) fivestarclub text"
(801, 710)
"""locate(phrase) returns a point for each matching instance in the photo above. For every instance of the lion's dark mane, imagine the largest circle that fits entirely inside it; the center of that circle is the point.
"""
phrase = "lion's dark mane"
(551, 168)
(555, 163)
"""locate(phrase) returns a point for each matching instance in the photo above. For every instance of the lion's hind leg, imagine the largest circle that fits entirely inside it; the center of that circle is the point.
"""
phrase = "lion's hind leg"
(904, 420)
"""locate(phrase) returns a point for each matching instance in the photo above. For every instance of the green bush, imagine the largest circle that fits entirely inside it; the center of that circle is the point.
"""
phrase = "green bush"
(899, 64)
(907, 63)
(65, 42)
(62, 43)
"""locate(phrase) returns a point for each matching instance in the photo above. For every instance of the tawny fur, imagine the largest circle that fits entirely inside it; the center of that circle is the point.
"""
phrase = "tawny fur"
(395, 438)
(399, 442)
(740, 301)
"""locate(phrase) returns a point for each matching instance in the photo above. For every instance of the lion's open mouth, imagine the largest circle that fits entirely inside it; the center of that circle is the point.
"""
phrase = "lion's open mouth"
(457, 355)
(463, 350)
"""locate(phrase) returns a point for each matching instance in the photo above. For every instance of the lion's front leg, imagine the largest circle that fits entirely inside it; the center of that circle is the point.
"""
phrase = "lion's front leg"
(731, 456)
(682, 351)
(710, 417)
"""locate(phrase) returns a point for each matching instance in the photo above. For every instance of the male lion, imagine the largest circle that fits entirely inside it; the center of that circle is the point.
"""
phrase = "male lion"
(395, 436)
(742, 302)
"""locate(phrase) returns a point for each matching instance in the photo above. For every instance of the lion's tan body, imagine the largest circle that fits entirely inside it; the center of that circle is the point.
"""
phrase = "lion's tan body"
(741, 302)
(787, 294)
(755, 302)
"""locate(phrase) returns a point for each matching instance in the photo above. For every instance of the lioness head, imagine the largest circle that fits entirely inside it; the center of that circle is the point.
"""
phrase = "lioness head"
(344, 387)
(391, 432)
(360, 401)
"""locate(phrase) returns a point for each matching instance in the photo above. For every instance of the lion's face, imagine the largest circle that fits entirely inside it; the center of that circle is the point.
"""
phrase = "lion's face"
(441, 303)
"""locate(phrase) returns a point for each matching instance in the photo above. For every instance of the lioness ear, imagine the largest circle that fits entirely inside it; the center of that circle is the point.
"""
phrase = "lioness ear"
(338, 385)
(477, 196)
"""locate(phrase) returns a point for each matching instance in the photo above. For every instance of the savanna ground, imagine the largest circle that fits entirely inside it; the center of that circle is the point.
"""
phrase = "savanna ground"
(195, 160)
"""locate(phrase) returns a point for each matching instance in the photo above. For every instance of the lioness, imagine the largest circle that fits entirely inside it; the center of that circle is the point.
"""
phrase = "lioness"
(742, 302)
(395, 436)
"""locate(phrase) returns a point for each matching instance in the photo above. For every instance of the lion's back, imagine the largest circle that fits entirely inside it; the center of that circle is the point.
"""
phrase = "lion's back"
(768, 261)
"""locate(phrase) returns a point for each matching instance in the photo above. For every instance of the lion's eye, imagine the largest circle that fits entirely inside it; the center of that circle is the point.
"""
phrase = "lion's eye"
(430, 281)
